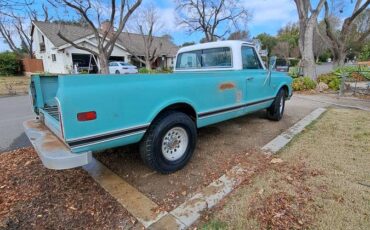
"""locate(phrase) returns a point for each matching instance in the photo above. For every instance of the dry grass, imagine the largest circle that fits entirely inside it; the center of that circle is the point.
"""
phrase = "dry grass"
(321, 183)
(14, 85)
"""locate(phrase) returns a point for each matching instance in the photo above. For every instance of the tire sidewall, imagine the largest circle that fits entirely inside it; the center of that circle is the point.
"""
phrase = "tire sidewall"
(176, 120)
(277, 105)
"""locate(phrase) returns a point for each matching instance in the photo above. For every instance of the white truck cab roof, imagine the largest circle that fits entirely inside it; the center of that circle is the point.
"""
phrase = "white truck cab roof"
(232, 45)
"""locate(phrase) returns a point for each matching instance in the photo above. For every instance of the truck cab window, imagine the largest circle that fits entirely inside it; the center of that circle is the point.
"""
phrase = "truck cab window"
(250, 59)
(188, 60)
(216, 57)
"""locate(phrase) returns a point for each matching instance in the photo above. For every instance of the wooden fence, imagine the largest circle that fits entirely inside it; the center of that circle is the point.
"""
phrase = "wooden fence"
(32, 65)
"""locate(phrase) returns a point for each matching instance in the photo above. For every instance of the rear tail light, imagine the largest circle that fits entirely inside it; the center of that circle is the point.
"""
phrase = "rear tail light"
(86, 116)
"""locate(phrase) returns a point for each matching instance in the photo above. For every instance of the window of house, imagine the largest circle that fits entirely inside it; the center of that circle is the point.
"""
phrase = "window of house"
(250, 59)
(207, 58)
(42, 43)
(53, 57)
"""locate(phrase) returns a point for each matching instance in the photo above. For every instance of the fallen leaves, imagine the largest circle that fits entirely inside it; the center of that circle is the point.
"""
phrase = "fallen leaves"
(281, 211)
(32, 196)
(276, 161)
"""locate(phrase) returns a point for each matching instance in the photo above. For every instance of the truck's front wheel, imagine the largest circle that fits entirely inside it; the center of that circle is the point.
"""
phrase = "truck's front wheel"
(276, 110)
(169, 143)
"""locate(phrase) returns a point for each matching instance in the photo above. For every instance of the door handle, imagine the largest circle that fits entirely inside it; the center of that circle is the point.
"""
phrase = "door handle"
(250, 78)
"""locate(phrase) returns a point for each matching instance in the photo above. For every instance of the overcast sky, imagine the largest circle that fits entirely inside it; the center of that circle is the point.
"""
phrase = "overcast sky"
(266, 16)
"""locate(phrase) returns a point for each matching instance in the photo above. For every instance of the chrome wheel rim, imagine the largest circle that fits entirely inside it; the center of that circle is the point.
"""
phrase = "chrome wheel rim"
(281, 105)
(175, 143)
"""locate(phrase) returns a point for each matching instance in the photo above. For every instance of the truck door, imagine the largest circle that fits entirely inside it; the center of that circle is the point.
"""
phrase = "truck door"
(258, 93)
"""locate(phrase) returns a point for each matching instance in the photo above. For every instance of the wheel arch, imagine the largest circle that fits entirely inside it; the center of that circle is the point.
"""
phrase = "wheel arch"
(183, 107)
(286, 89)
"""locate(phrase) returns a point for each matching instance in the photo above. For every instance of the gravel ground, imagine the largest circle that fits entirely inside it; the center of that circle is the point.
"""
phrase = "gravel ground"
(33, 197)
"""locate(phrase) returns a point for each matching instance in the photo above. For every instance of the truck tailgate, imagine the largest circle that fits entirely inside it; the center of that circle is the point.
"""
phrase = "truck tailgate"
(43, 92)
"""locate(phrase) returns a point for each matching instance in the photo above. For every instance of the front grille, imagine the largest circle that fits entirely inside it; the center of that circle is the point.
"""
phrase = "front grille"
(52, 111)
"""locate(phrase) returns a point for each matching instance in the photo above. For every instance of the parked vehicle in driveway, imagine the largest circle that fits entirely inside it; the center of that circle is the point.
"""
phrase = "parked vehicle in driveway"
(117, 67)
(282, 65)
(213, 82)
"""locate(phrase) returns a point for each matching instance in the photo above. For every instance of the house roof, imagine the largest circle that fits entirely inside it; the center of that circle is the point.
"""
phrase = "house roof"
(72, 32)
(134, 43)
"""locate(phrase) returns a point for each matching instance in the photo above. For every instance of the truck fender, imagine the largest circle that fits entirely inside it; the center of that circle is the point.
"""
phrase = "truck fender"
(182, 105)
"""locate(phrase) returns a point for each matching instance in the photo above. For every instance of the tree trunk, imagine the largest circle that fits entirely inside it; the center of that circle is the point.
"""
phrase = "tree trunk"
(148, 65)
(308, 58)
(104, 64)
(340, 59)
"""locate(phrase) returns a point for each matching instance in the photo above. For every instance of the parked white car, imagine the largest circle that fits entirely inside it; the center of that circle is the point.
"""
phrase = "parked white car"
(118, 67)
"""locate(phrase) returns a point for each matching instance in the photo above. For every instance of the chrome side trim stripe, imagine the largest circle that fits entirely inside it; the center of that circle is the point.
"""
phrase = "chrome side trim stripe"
(229, 109)
(106, 136)
(105, 140)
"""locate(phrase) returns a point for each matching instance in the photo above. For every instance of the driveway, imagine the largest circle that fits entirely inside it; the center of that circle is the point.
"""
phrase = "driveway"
(14, 110)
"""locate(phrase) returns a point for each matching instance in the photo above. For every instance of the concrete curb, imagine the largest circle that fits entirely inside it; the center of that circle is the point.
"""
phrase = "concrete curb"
(136, 203)
(283, 139)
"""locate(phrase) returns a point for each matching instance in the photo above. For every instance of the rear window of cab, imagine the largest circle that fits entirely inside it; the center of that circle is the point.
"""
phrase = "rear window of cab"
(205, 58)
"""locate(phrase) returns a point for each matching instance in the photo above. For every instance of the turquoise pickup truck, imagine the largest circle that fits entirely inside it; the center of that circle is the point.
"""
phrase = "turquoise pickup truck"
(212, 82)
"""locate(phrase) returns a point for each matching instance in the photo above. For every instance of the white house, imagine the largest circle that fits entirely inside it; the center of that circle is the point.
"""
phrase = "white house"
(58, 56)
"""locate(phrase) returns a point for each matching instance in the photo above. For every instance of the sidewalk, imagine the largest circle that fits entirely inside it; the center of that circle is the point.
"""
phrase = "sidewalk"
(335, 100)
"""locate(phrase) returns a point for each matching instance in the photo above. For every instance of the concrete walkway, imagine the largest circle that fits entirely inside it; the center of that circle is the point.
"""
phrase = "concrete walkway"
(335, 100)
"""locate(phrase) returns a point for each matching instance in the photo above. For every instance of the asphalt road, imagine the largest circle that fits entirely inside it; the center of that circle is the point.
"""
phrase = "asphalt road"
(13, 111)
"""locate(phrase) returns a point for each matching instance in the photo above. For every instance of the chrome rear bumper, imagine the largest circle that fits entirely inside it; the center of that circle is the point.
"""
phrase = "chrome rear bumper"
(53, 153)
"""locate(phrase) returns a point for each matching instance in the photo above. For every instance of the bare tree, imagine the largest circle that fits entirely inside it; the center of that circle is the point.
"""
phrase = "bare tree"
(307, 23)
(15, 22)
(289, 34)
(147, 24)
(239, 35)
(207, 16)
(281, 49)
(94, 16)
(339, 42)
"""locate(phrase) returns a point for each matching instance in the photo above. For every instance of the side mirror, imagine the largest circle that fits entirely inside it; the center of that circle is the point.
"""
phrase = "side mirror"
(272, 63)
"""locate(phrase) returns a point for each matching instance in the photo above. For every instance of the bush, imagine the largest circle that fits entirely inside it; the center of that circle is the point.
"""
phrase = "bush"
(9, 64)
(354, 71)
(303, 83)
(144, 70)
(365, 53)
(294, 62)
(324, 57)
(331, 79)
(166, 70)
(293, 72)
(335, 84)
(147, 71)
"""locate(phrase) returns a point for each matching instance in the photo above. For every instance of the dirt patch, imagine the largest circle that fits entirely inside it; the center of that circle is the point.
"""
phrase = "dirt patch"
(219, 148)
(33, 197)
(317, 183)
(14, 85)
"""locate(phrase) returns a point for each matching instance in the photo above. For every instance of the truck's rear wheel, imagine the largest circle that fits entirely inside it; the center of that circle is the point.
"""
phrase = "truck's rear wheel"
(169, 143)
(276, 110)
